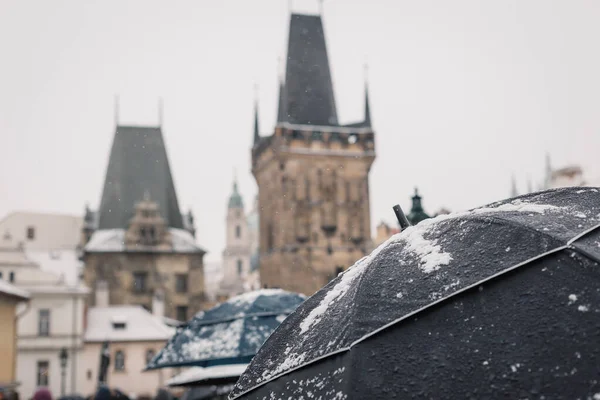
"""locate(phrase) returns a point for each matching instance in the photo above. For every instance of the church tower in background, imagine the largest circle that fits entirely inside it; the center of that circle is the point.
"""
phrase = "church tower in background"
(312, 173)
(236, 256)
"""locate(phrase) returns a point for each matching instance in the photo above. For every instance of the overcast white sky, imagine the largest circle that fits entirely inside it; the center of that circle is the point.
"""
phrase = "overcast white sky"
(463, 94)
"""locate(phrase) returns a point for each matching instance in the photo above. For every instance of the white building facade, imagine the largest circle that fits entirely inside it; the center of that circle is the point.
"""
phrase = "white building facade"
(51, 322)
(38, 253)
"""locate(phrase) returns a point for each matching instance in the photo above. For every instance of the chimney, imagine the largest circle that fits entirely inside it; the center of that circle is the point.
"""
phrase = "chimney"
(102, 294)
(158, 303)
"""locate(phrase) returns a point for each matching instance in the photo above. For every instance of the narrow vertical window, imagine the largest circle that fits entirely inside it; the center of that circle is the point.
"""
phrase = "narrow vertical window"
(44, 322)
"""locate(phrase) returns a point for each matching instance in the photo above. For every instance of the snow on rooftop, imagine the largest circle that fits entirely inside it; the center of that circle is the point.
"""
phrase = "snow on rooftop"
(12, 290)
(118, 319)
(113, 240)
(62, 263)
(140, 325)
(199, 374)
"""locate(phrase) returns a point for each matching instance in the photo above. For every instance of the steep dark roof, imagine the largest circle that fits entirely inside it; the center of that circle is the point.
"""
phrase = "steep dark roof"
(308, 85)
(138, 163)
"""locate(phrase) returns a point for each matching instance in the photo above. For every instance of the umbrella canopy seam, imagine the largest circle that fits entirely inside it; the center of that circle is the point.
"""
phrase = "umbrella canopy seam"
(558, 249)
(582, 234)
(246, 316)
(584, 253)
(206, 363)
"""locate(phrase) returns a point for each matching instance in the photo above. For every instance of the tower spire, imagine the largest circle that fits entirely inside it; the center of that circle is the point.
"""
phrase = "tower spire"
(548, 172)
(513, 187)
(256, 129)
(367, 121)
(160, 112)
(116, 110)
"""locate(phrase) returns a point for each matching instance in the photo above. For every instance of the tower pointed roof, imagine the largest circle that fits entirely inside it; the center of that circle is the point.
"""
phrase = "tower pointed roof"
(138, 164)
(308, 89)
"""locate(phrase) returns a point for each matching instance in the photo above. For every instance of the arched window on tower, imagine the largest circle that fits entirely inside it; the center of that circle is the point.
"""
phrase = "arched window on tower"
(239, 267)
(238, 231)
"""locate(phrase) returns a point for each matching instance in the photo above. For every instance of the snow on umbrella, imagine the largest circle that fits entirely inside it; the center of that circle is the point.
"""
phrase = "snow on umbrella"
(500, 301)
(210, 376)
(229, 333)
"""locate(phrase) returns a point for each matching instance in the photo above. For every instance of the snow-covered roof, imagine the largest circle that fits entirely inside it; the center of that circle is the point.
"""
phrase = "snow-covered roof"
(113, 240)
(51, 230)
(11, 290)
(140, 325)
(199, 374)
(63, 263)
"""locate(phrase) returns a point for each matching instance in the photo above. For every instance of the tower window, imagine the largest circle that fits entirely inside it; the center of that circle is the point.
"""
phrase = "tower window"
(181, 283)
(270, 238)
(139, 282)
(238, 231)
(30, 232)
(11, 276)
(239, 267)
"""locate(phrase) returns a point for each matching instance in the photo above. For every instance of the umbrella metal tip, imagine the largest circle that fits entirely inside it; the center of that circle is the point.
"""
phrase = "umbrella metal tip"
(402, 220)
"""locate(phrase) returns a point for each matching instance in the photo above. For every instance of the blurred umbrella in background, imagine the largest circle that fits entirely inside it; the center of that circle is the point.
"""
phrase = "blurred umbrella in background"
(229, 333)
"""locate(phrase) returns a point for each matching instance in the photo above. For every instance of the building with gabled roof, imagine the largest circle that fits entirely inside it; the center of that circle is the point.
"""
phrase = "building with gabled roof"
(312, 172)
(134, 336)
(138, 244)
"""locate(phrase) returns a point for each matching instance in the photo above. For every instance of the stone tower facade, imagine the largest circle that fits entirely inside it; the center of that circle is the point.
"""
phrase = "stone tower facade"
(236, 256)
(312, 173)
(138, 248)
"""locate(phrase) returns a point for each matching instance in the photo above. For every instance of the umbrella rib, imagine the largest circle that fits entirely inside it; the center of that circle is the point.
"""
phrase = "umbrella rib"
(584, 233)
(584, 253)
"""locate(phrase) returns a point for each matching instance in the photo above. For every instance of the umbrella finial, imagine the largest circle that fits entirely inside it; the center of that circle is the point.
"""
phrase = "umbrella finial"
(402, 220)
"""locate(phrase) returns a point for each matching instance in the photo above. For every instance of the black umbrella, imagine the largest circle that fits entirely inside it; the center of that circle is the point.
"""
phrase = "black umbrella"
(501, 301)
